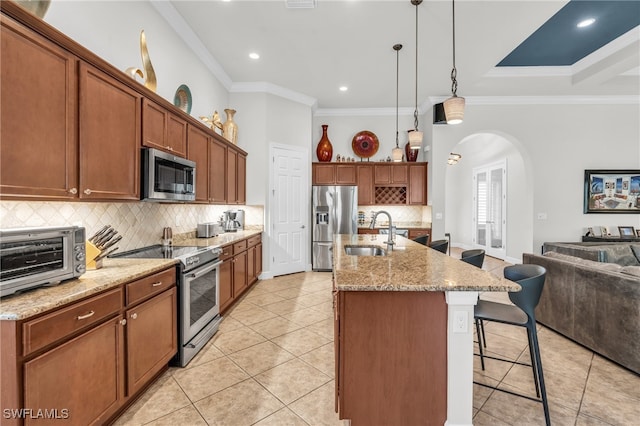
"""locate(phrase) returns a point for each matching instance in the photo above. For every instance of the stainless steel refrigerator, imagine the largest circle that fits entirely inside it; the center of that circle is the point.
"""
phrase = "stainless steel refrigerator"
(335, 211)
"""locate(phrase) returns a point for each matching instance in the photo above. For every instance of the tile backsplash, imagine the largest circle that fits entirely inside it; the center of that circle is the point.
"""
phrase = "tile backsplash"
(399, 214)
(140, 223)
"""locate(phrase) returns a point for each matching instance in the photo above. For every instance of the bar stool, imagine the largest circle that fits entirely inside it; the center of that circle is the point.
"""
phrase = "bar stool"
(440, 245)
(422, 239)
(474, 257)
(531, 279)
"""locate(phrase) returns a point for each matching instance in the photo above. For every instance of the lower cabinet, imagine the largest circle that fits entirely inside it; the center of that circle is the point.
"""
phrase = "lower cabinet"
(81, 379)
(152, 338)
(241, 266)
(86, 361)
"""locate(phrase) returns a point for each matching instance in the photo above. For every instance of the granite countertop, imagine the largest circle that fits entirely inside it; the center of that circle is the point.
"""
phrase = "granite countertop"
(408, 267)
(220, 240)
(115, 271)
(398, 225)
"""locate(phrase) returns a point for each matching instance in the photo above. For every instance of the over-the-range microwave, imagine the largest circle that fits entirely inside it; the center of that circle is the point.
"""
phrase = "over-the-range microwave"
(166, 177)
(31, 257)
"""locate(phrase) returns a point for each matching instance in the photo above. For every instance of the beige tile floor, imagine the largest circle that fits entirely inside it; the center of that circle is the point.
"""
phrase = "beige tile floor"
(271, 363)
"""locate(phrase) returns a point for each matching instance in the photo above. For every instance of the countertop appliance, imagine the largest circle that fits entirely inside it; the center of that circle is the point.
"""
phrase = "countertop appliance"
(335, 211)
(198, 294)
(208, 230)
(31, 257)
(166, 177)
(233, 220)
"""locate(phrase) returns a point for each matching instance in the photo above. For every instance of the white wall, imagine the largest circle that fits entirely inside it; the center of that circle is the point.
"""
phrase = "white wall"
(111, 30)
(559, 142)
(343, 128)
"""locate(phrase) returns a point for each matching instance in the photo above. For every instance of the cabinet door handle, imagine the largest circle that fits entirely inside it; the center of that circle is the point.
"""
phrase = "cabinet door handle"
(73, 191)
(85, 316)
(123, 321)
(87, 191)
(134, 315)
(156, 284)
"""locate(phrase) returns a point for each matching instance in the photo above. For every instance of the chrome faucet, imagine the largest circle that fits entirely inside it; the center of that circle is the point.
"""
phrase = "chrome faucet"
(374, 215)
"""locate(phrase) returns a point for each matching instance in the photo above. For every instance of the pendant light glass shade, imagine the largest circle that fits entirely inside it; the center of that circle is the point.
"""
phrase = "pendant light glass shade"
(454, 106)
(454, 109)
(415, 139)
(396, 154)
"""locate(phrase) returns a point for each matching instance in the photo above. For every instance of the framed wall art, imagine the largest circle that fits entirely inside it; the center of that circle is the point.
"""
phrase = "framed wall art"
(626, 231)
(612, 191)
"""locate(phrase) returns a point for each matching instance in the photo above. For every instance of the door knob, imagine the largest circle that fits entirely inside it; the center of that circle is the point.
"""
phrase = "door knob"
(302, 227)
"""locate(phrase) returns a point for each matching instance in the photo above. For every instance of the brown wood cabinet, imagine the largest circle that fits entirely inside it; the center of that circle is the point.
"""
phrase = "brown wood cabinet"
(38, 107)
(109, 137)
(378, 183)
(93, 356)
(218, 173)
(198, 146)
(241, 266)
(419, 232)
(409, 353)
(163, 130)
(386, 174)
(418, 184)
(152, 338)
(90, 119)
(84, 376)
(366, 195)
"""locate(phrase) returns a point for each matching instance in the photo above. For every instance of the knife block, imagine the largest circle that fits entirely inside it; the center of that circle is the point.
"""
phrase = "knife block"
(91, 252)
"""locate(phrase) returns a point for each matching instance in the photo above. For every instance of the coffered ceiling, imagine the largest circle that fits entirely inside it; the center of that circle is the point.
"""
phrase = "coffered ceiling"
(308, 53)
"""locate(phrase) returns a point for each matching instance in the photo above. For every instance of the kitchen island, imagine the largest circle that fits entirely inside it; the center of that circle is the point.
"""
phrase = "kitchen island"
(403, 332)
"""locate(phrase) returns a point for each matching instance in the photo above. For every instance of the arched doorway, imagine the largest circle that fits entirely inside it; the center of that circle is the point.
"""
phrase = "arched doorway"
(482, 150)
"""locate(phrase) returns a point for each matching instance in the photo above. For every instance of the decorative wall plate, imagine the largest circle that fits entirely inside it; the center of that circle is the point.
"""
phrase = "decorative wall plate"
(365, 144)
(182, 98)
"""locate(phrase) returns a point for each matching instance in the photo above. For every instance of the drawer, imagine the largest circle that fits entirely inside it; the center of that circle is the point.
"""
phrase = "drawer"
(254, 241)
(227, 252)
(55, 326)
(148, 286)
(239, 246)
(413, 233)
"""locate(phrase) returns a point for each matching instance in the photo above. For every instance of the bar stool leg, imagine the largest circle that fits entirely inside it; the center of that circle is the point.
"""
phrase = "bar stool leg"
(480, 338)
(538, 362)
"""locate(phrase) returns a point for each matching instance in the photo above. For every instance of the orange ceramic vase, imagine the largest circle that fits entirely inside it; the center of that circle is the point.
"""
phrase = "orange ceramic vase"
(324, 151)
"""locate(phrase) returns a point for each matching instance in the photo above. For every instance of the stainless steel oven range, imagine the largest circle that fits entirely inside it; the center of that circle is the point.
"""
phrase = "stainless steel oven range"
(198, 294)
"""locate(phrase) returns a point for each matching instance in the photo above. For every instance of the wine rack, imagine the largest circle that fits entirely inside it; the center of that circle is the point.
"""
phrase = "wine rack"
(391, 195)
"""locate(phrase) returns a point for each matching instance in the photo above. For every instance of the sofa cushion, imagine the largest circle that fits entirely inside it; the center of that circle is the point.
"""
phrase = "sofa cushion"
(611, 267)
(620, 254)
(631, 270)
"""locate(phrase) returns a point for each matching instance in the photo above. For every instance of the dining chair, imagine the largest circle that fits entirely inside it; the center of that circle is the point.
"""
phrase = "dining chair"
(422, 239)
(521, 314)
(440, 245)
(474, 257)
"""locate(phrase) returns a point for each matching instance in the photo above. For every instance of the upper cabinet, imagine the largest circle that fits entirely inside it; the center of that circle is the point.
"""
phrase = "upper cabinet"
(73, 125)
(39, 102)
(163, 130)
(109, 137)
(378, 183)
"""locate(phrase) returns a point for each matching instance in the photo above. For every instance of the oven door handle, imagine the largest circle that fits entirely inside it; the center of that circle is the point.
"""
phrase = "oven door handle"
(204, 271)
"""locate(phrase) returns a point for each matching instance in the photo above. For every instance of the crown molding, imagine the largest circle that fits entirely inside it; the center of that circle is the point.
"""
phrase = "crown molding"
(362, 112)
(184, 31)
(274, 89)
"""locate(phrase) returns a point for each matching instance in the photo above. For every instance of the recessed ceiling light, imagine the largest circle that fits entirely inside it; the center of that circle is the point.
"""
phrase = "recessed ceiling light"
(254, 55)
(343, 88)
(585, 23)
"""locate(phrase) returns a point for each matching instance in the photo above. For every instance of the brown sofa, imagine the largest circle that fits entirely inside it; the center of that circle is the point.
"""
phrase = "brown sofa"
(592, 296)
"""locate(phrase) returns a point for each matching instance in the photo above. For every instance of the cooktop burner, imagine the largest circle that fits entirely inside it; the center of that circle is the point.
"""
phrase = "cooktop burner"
(190, 256)
(161, 252)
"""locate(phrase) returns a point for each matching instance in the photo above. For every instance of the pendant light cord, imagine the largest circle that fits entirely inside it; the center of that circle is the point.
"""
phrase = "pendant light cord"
(415, 111)
(397, 48)
(454, 71)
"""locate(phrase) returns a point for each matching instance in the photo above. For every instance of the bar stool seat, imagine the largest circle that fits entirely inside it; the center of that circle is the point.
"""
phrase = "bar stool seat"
(440, 245)
(422, 239)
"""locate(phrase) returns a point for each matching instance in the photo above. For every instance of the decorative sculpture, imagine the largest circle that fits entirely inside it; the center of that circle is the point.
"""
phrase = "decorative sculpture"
(149, 74)
(214, 122)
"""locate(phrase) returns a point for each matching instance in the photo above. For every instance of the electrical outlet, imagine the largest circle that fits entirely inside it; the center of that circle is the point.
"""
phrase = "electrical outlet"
(460, 322)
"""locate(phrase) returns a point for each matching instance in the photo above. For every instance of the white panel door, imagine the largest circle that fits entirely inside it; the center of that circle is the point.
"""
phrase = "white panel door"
(490, 209)
(290, 210)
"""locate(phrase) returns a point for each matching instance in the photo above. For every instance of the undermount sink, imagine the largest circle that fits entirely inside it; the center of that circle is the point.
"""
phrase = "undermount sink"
(365, 251)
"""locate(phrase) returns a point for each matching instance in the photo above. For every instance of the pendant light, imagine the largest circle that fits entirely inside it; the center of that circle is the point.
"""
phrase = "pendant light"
(415, 136)
(396, 153)
(454, 106)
